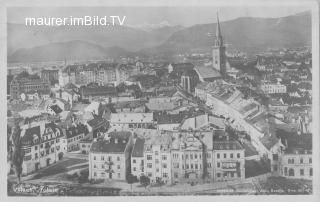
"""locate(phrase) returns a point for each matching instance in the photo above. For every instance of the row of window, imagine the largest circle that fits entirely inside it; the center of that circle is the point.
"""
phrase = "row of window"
(291, 172)
(164, 165)
(109, 158)
(163, 157)
(103, 174)
(291, 160)
(104, 166)
(164, 175)
(75, 138)
(208, 155)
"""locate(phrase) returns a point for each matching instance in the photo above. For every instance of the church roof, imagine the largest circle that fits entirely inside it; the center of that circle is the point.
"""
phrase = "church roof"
(207, 73)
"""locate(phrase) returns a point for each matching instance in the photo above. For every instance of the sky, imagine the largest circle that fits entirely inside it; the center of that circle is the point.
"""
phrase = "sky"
(137, 16)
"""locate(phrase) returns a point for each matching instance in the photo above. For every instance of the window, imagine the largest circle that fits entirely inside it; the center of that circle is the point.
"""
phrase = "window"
(95, 174)
(218, 156)
(157, 170)
(285, 171)
(301, 160)
(149, 174)
(191, 166)
(118, 158)
(196, 166)
(157, 160)
(119, 175)
(164, 165)
(102, 166)
(195, 156)
(224, 155)
(232, 174)
(164, 157)
(187, 156)
(133, 161)
(149, 157)
(109, 158)
(149, 165)
(310, 172)
(94, 166)
(209, 165)
(218, 165)
(291, 172)
(94, 157)
(35, 147)
(238, 155)
(231, 155)
(102, 158)
(134, 169)
(218, 175)
(118, 167)
(164, 174)
(191, 156)
(310, 160)
(301, 172)
(156, 152)
(275, 157)
(175, 175)
(187, 166)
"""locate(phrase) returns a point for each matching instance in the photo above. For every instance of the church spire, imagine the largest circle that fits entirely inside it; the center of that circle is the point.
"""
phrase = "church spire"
(218, 32)
(218, 41)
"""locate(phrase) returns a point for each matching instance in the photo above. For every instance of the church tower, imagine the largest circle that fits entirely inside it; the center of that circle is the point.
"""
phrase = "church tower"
(219, 51)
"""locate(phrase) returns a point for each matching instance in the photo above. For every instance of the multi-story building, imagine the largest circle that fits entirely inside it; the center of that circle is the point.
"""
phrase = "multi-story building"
(187, 155)
(228, 160)
(273, 88)
(295, 161)
(43, 144)
(106, 73)
(131, 120)
(137, 158)
(157, 158)
(25, 85)
(50, 75)
(110, 158)
(74, 135)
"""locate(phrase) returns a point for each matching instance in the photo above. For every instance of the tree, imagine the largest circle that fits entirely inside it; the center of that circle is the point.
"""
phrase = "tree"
(131, 179)
(17, 153)
(145, 181)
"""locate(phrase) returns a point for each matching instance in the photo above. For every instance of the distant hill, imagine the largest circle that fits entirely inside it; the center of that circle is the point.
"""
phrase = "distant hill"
(20, 36)
(246, 33)
(71, 49)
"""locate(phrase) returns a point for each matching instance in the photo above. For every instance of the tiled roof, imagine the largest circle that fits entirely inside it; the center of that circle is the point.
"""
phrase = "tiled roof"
(56, 109)
(97, 121)
(164, 106)
(98, 91)
(105, 146)
(131, 118)
(27, 139)
(227, 145)
(74, 131)
(207, 73)
(138, 148)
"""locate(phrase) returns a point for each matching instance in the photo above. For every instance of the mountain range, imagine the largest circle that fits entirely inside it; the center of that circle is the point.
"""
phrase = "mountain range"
(27, 44)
